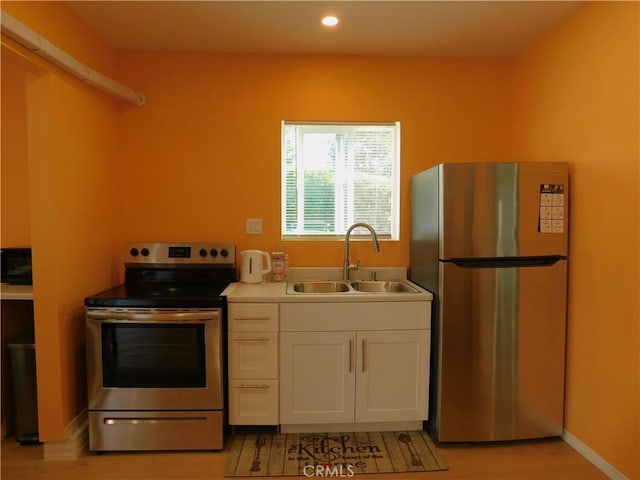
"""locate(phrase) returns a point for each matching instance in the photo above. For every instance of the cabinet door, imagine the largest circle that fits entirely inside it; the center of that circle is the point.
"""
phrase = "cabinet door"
(253, 355)
(253, 402)
(393, 375)
(317, 377)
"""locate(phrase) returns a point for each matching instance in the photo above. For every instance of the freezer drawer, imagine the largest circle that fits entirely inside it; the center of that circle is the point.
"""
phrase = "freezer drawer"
(501, 344)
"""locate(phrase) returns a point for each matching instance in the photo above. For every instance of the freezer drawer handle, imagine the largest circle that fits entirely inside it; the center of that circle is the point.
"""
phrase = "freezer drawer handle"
(506, 262)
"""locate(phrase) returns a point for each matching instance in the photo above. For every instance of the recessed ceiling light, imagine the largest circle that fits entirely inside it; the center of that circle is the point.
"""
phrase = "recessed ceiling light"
(330, 21)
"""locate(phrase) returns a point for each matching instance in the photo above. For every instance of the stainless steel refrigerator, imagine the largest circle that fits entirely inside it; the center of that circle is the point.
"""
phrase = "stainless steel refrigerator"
(490, 241)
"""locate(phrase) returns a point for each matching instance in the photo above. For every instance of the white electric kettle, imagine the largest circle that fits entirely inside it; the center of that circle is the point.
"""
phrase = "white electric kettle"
(253, 267)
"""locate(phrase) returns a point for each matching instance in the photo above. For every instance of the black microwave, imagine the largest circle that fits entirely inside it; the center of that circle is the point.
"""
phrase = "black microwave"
(16, 265)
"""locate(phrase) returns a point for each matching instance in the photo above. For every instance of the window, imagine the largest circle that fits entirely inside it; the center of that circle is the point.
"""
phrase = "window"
(337, 174)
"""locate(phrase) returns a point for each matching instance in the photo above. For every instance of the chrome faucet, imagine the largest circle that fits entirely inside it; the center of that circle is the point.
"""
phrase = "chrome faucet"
(346, 268)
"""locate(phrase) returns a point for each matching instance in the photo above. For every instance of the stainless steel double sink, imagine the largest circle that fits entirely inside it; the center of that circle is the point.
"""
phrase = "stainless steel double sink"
(333, 287)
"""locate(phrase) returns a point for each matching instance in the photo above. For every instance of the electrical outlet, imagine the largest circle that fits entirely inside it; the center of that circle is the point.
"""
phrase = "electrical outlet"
(254, 226)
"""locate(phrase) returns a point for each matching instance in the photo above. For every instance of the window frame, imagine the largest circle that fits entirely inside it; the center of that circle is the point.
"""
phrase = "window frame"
(333, 127)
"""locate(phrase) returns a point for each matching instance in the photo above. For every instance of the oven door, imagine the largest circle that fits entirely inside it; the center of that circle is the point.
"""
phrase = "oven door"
(154, 359)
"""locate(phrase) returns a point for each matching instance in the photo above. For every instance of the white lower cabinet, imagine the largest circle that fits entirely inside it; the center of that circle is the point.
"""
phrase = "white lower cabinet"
(354, 377)
(253, 363)
(329, 366)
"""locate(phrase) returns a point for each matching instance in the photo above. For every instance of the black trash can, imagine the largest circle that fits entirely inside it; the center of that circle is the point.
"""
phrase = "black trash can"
(22, 353)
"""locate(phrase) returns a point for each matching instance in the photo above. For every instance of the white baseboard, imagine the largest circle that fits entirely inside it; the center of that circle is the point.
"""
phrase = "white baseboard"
(602, 465)
(76, 439)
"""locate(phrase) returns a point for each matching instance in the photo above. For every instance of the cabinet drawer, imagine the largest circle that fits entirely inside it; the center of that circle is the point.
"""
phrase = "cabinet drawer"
(253, 355)
(253, 402)
(253, 317)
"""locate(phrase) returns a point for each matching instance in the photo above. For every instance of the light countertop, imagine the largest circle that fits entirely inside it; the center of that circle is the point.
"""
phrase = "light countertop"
(277, 291)
(16, 292)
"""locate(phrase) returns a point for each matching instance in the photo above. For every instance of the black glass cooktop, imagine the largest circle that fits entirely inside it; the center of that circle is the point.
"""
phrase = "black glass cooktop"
(166, 288)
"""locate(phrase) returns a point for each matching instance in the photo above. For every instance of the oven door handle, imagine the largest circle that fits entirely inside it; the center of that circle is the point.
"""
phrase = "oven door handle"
(155, 317)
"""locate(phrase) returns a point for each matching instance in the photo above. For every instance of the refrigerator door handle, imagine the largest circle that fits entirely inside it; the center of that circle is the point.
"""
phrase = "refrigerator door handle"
(506, 262)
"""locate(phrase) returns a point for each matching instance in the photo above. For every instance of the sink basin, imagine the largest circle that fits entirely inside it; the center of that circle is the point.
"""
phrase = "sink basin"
(318, 287)
(393, 286)
(352, 287)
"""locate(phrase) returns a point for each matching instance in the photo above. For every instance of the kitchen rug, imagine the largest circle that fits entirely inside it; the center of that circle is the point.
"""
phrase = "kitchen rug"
(331, 454)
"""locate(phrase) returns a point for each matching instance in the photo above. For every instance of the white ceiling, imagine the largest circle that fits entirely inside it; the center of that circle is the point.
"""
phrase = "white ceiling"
(402, 28)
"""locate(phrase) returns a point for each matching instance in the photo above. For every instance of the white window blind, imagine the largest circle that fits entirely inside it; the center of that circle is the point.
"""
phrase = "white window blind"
(334, 175)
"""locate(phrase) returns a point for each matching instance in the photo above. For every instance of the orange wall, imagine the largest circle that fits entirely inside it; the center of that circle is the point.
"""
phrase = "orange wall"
(15, 229)
(70, 133)
(204, 153)
(576, 98)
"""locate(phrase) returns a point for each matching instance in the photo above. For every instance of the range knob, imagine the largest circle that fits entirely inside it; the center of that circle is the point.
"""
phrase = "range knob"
(134, 252)
(203, 252)
(213, 252)
(224, 252)
(145, 252)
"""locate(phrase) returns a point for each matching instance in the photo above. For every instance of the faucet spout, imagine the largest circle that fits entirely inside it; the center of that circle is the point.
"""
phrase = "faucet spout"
(376, 247)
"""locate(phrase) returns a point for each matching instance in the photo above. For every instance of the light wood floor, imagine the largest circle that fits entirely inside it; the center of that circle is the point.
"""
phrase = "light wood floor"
(532, 460)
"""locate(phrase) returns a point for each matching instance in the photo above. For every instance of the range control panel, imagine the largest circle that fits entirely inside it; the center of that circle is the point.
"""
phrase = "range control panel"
(214, 253)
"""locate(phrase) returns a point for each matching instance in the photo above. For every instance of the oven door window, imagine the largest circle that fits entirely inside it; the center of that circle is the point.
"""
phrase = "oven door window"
(153, 355)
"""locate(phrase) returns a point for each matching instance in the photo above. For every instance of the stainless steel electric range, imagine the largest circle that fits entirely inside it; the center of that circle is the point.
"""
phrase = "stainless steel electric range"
(155, 350)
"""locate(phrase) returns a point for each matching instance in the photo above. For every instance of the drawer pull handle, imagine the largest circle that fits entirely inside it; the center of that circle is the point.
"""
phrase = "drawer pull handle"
(253, 386)
(251, 318)
(256, 339)
(152, 420)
